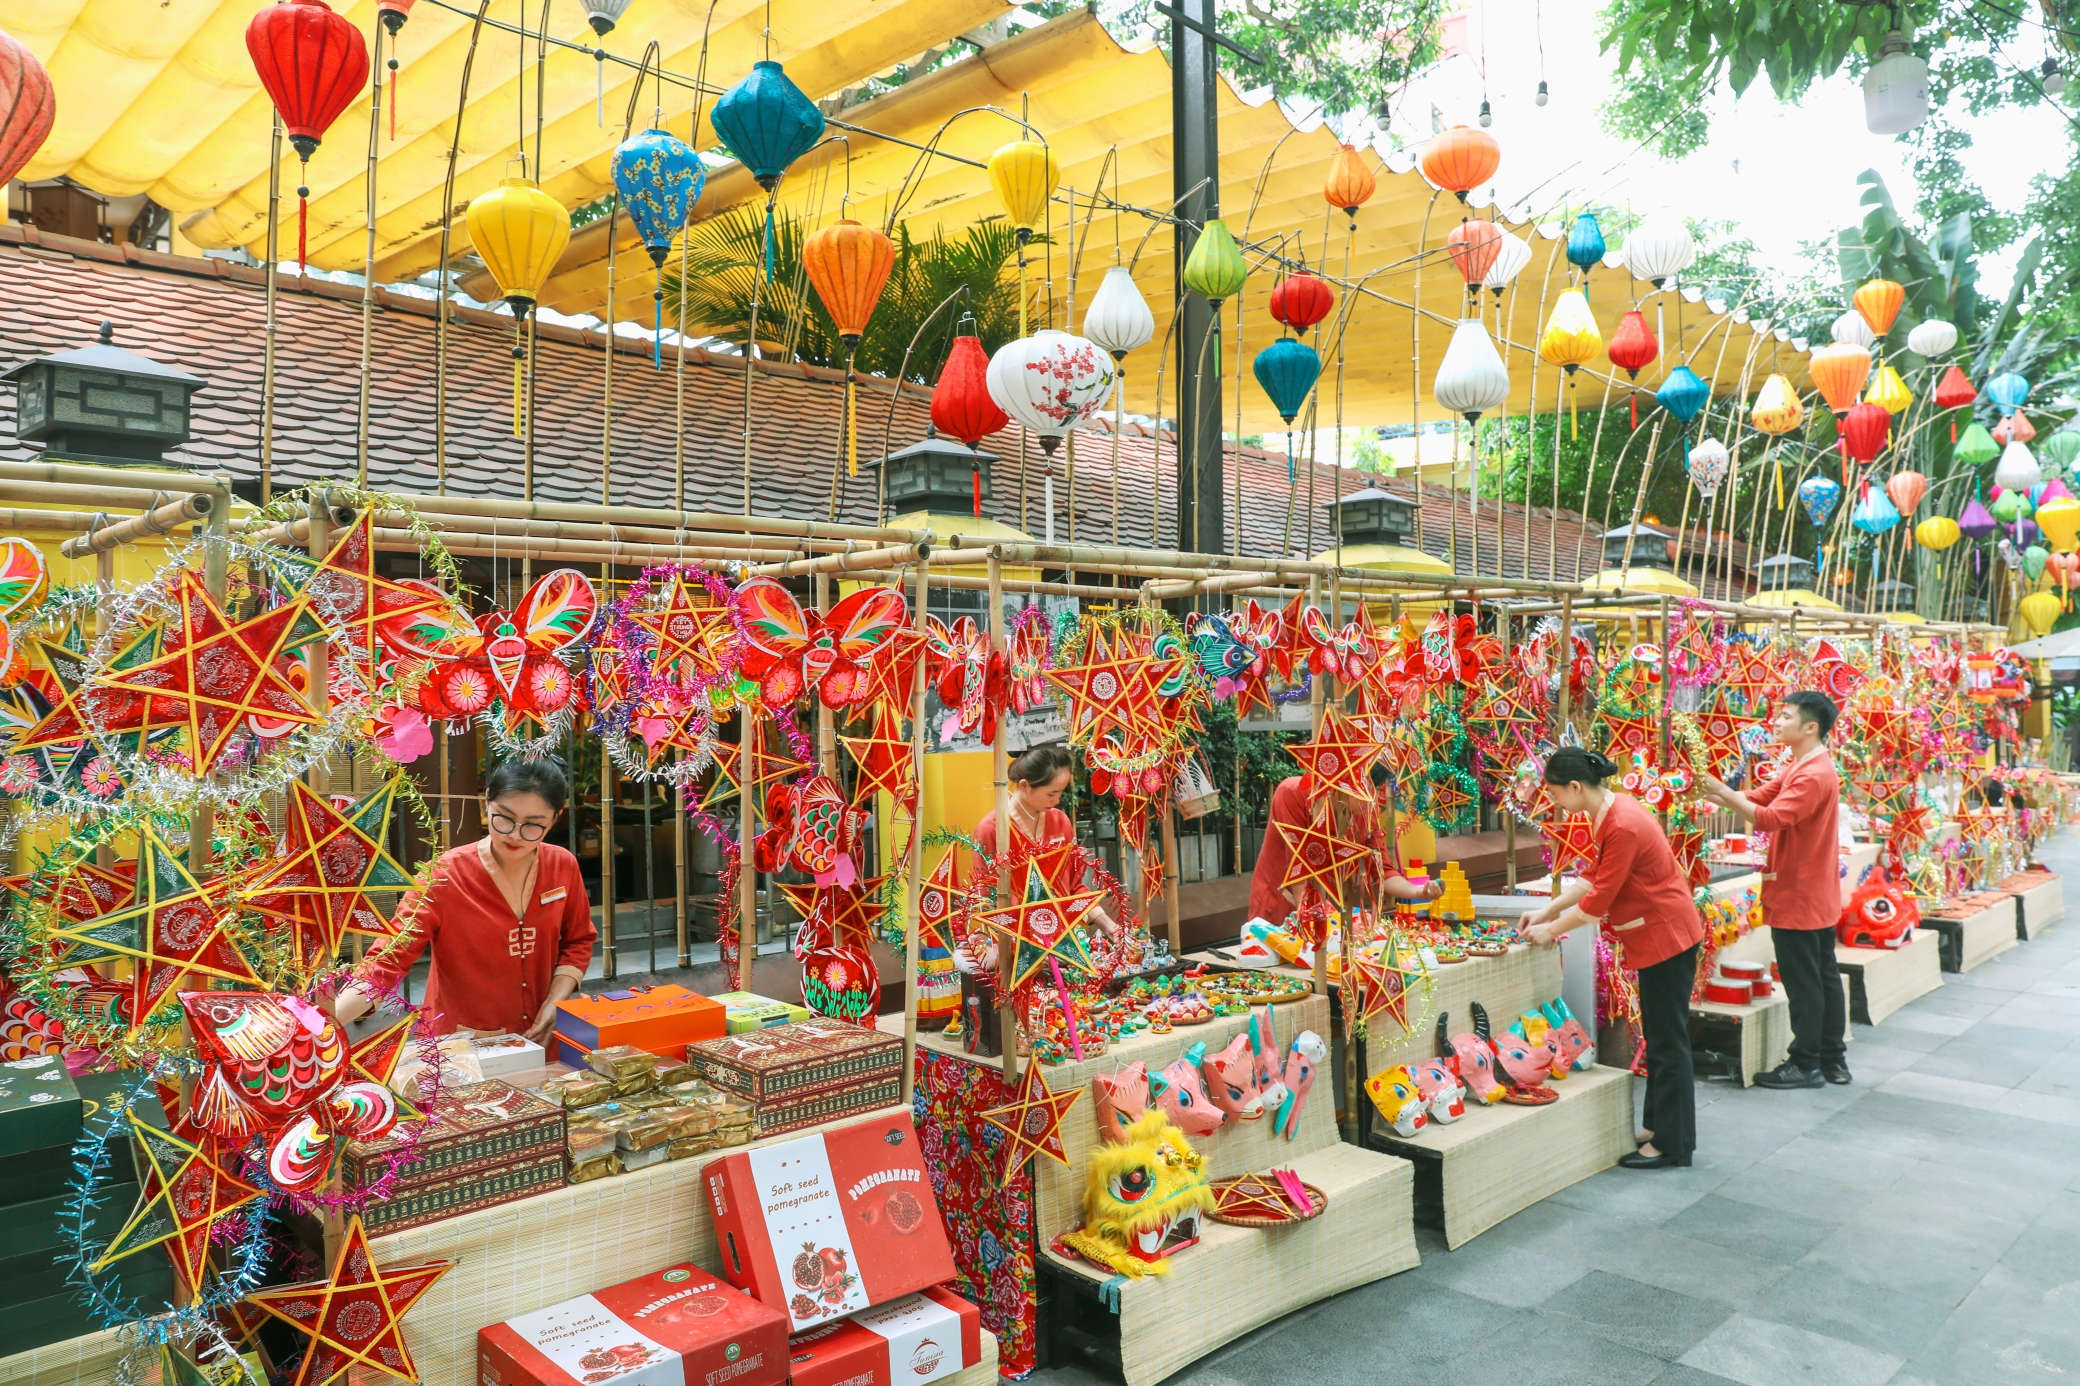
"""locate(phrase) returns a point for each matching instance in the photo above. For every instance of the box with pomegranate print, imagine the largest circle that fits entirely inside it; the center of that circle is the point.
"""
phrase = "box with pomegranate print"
(919, 1338)
(831, 1223)
(676, 1327)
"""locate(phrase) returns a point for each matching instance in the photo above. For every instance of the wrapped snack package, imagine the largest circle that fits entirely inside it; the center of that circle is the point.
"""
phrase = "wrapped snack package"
(622, 1062)
(637, 1131)
(633, 1160)
(574, 1090)
(674, 1073)
(598, 1168)
(587, 1140)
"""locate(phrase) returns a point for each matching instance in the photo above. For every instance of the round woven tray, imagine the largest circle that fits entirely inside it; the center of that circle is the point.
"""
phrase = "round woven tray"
(1270, 1189)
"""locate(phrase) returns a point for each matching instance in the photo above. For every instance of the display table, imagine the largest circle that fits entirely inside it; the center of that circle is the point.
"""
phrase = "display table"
(511, 1259)
(1881, 980)
(1760, 1032)
(1972, 928)
(2040, 899)
(1496, 1161)
(1236, 1279)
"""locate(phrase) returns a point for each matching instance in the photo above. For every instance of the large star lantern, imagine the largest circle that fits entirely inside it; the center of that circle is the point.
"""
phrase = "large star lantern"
(768, 766)
(352, 1318)
(172, 925)
(938, 903)
(1573, 840)
(1044, 931)
(217, 672)
(884, 759)
(333, 858)
(1340, 758)
(692, 635)
(1031, 1123)
(836, 915)
(186, 1189)
(1113, 688)
(345, 586)
(1381, 986)
(1317, 857)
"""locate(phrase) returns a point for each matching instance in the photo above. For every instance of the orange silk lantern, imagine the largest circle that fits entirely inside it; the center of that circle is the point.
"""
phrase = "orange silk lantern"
(849, 265)
(1879, 302)
(1474, 246)
(1350, 184)
(1905, 489)
(1461, 159)
(2016, 428)
(1839, 370)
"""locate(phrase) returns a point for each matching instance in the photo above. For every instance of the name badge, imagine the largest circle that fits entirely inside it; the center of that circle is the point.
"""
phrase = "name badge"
(550, 897)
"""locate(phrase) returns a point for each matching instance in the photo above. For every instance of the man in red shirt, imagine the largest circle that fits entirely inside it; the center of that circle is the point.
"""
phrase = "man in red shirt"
(1801, 889)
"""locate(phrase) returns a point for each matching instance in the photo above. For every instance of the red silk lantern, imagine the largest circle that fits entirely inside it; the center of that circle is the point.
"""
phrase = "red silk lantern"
(28, 107)
(1954, 391)
(1473, 248)
(1301, 300)
(961, 403)
(1865, 429)
(1461, 159)
(1632, 348)
(313, 63)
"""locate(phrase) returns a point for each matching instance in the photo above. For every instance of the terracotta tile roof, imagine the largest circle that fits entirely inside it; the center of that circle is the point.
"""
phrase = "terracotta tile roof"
(208, 317)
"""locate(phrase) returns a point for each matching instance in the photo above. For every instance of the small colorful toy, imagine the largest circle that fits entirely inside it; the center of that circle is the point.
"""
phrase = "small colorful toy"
(1303, 1062)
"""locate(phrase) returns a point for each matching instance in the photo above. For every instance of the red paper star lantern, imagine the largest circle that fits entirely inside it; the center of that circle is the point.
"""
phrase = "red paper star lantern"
(1340, 758)
(1381, 986)
(884, 759)
(1031, 1123)
(1573, 839)
(1317, 857)
(346, 587)
(692, 635)
(352, 1318)
(320, 884)
(1113, 688)
(186, 1189)
(1044, 931)
(218, 672)
(939, 902)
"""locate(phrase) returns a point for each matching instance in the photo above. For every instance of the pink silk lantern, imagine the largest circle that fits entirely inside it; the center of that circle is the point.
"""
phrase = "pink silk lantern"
(2015, 426)
(1905, 489)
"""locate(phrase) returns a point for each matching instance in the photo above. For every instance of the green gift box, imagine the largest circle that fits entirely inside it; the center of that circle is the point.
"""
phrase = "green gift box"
(33, 1235)
(744, 1011)
(39, 1106)
(56, 1317)
(37, 1174)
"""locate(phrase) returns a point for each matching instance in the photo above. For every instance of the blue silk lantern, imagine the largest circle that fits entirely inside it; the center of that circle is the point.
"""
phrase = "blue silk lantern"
(2007, 391)
(767, 123)
(1819, 495)
(1875, 513)
(1288, 369)
(1683, 394)
(1585, 245)
(657, 179)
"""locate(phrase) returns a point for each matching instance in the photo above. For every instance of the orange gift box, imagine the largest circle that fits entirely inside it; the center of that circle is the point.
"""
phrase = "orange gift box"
(661, 1019)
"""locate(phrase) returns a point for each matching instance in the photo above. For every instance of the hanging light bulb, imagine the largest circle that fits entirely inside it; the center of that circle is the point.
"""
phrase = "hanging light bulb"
(1487, 115)
(1540, 99)
(1895, 90)
(2052, 78)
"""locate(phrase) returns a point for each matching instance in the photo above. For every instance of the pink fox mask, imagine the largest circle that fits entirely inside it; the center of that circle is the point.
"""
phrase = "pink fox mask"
(1303, 1062)
(1442, 1090)
(1181, 1093)
(1122, 1100)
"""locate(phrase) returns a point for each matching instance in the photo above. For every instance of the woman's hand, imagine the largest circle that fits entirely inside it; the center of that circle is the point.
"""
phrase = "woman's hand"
(1543, 934)
(544, 1024)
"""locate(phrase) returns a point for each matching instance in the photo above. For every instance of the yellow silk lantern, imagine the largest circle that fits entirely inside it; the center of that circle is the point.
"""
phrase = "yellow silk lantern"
(2060, 521)
(1889, 392)
(2039, 611)
(1024, 175)
(1571, 339)
(520, 232)
(1937, 532)
(1778, 410)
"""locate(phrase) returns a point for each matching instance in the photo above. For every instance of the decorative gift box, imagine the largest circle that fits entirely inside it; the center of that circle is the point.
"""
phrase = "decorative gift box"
(661, 1019)
(831, 1223)
(39, 1106)
(809, 1056)
(918, 1338)
(797, 1111)
(483, 1144)
(47, 1172)
(744, 1010)
(676, 1327)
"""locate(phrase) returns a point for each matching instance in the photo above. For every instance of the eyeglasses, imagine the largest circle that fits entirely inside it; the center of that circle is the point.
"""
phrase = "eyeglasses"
(505, 825)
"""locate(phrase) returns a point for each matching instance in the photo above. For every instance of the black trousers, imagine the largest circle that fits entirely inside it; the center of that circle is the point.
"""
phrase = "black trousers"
(1664, 1014)
(1813, 985)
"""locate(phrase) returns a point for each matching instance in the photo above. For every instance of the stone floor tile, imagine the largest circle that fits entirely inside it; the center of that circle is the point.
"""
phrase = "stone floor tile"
(1552, 1350)
(1935, 1088)
(1840, 1306)
(1644, 1317)
(1758, 1352)
(1644, 1196)
(1770, 1233)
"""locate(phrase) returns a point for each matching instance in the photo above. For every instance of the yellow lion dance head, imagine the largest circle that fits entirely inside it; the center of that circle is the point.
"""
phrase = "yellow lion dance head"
(1138, 1190)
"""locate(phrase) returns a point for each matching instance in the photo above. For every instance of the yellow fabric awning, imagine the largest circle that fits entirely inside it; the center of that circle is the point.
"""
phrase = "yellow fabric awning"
(1089, 97)
(163, 99)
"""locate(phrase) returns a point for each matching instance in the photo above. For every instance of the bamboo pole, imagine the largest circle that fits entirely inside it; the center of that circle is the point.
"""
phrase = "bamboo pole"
(849, 561)
(71, 475)
(1000, 780)
(158, 521)
(913, 943)
(750, 736)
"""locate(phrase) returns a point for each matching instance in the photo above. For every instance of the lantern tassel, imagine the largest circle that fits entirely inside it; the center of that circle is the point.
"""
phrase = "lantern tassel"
(393, 101)
(769, 247)
(1292, 467)
(1047, 498)
(516, 396)
(851, 419)
(1780, 483)
(303, 189)
(976, 481)
(1635, 411)
(1574, 423)
(656, 331)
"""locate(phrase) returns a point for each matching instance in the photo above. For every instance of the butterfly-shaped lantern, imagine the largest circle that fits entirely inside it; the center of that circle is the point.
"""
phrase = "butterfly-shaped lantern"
(511, 657)
(789, 651)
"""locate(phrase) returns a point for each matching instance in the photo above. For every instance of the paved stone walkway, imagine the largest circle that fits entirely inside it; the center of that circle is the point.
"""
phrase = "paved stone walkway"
(1920, 1227)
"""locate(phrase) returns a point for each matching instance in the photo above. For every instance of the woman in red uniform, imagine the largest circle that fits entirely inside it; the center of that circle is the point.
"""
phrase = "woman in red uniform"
(1644, 900)
(507, 919)
(1038, 779)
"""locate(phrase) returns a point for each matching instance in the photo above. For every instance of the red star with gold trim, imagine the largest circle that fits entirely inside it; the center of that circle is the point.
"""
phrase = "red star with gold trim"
(1573, 840)
(352, 1317)
(1113, 687)
(849, 914)
(1381, 986)
(768, 766)
(885, 760)
(1340, 757)
(185, 1191)
(1043, 931)
(1630, 735)
(1317, 857)
(346, 587)
(939, 902)
(892, 673)
(321, 883)
(691, 634)
(220, 672)
(1032, 1123)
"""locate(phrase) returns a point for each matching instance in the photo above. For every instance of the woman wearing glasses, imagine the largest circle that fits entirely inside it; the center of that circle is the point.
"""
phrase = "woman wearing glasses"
(507, 919)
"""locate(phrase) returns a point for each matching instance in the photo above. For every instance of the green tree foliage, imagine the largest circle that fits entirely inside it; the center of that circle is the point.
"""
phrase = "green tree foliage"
(723, 265)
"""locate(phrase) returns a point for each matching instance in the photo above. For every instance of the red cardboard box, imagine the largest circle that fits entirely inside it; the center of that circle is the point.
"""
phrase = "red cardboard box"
(661, 1019)
(916, 1339)
(832, 1223)
(676, 1327)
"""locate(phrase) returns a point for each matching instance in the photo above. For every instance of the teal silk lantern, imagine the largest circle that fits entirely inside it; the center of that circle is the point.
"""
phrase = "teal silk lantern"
(767, 123)
(1288, 369)
(1875, 513)
(657, 179)
(1683, 394)
(2007, 391)
(1585, 245)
